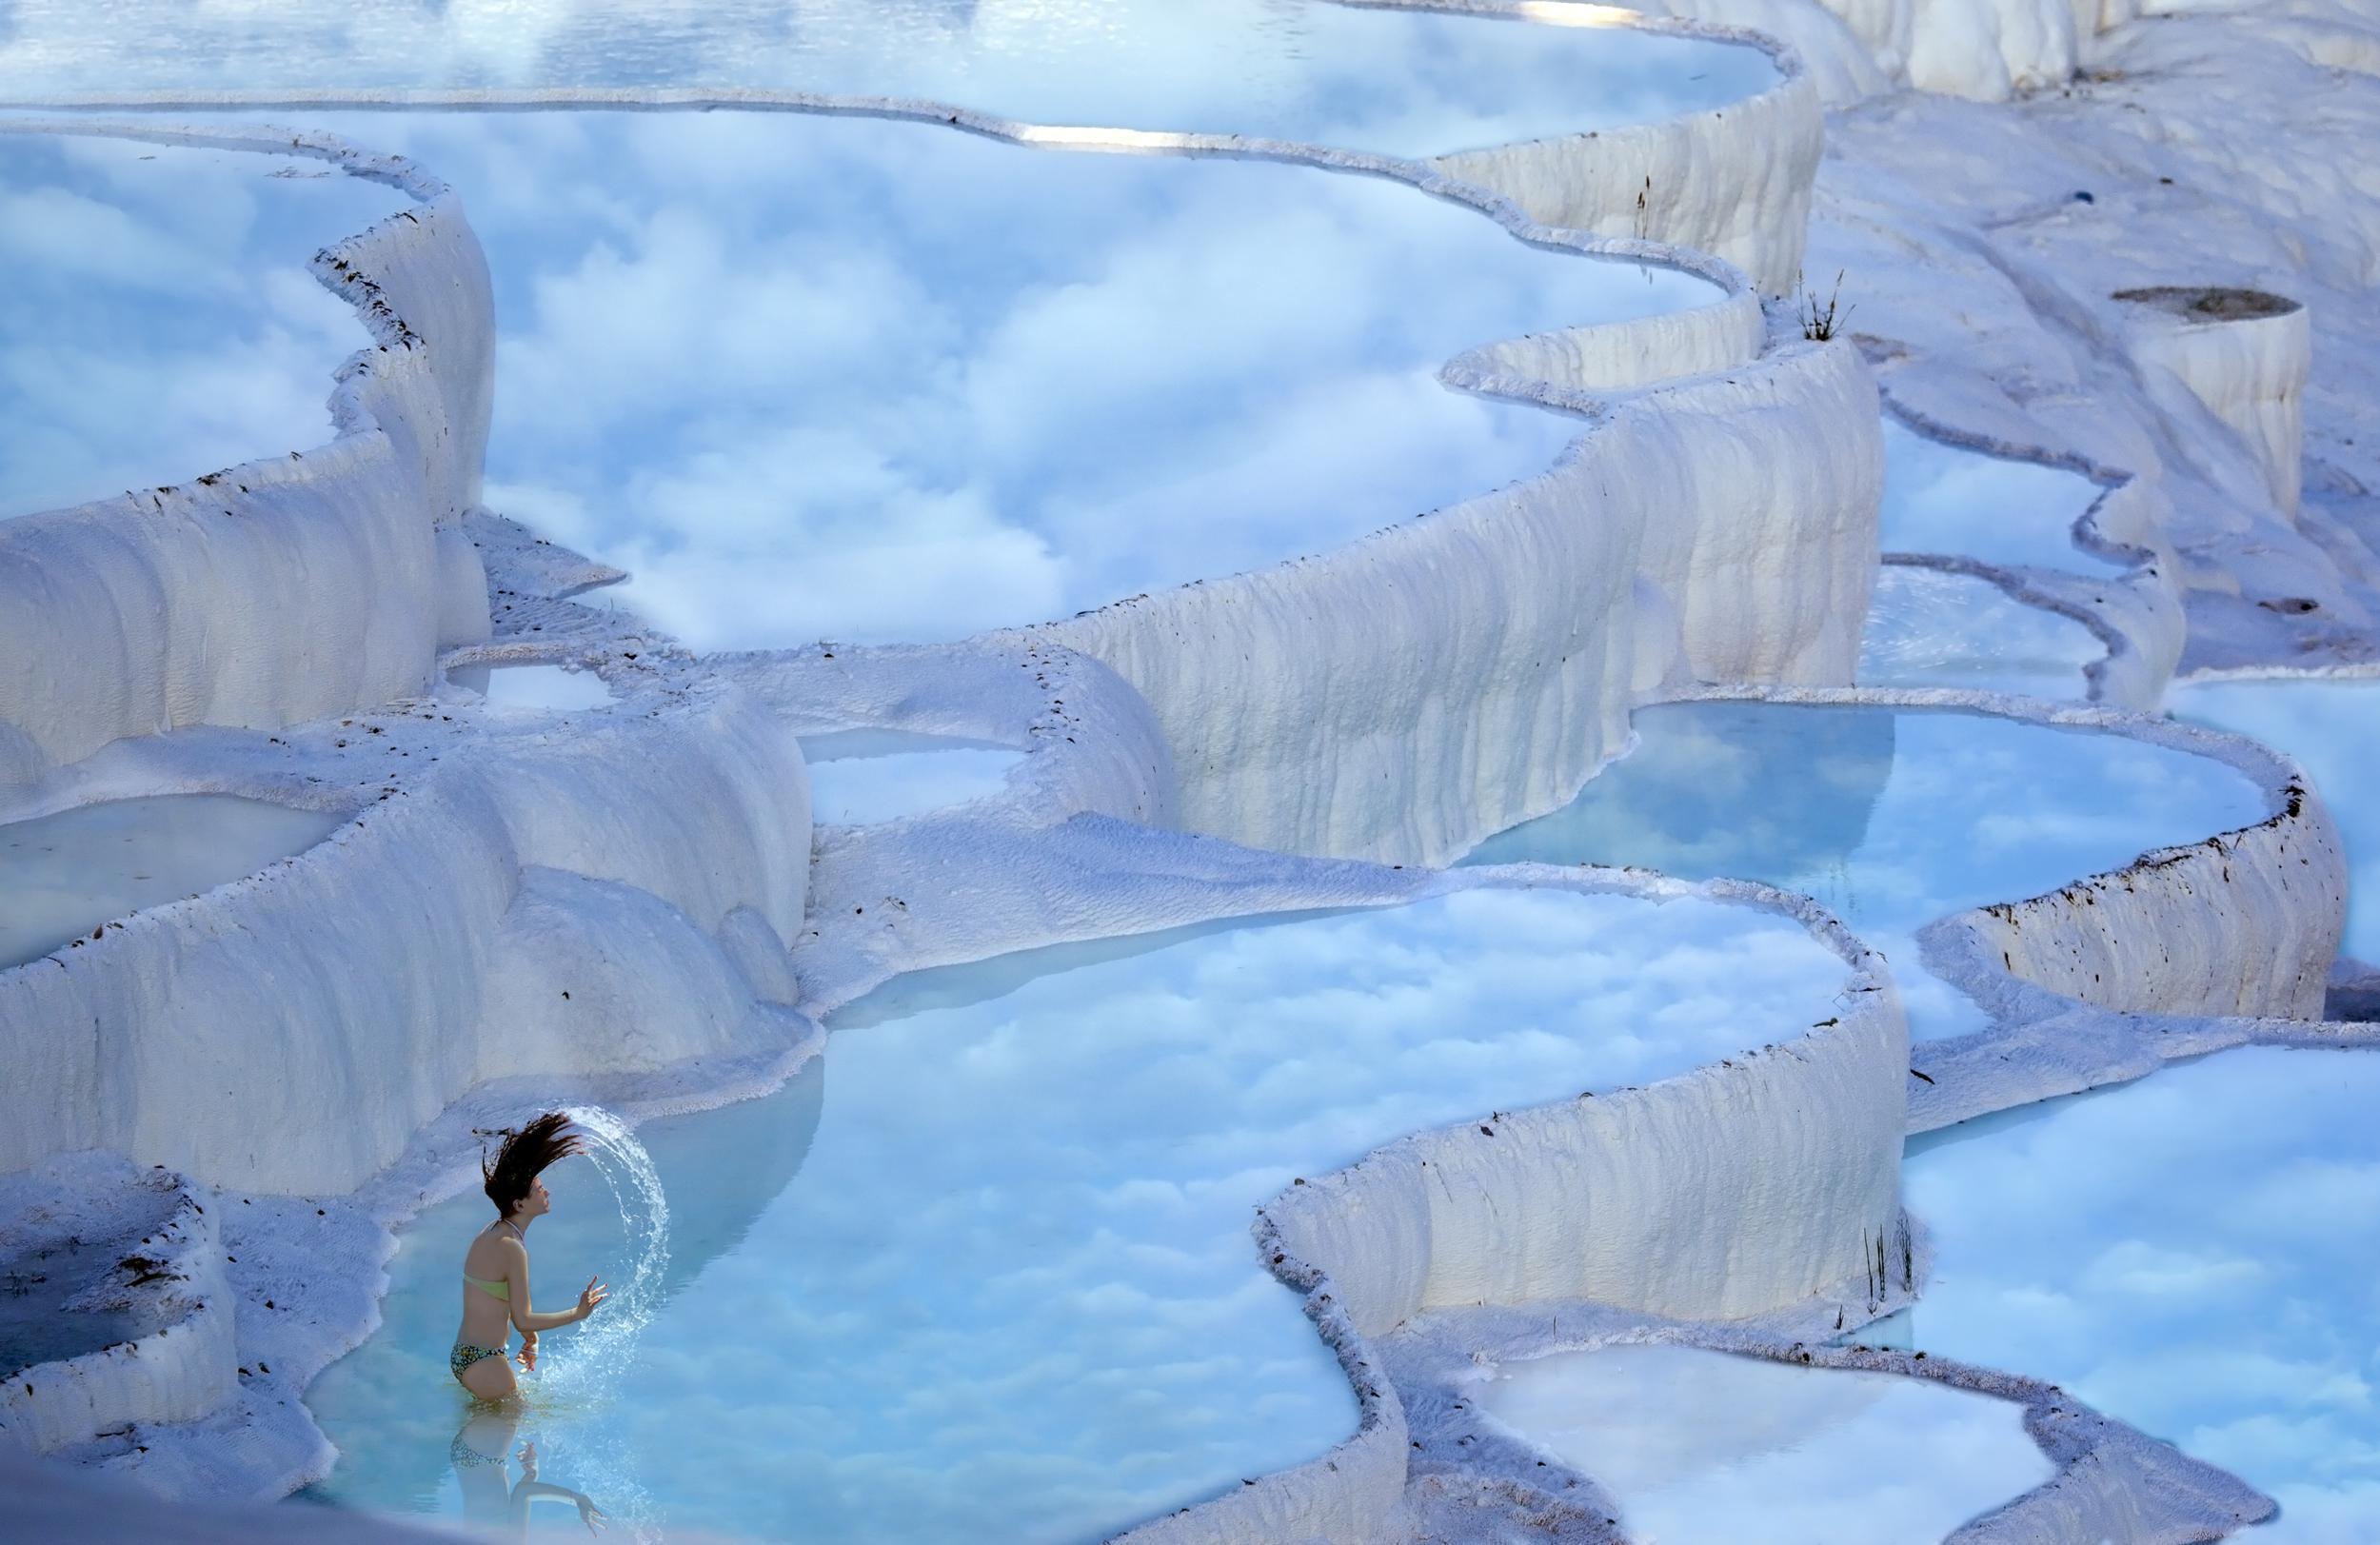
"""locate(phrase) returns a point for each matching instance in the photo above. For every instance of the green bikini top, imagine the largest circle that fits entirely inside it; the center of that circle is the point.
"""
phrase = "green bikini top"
(499, 1289)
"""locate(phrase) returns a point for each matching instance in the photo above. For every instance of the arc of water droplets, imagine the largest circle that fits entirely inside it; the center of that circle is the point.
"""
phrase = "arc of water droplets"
(589, 1361)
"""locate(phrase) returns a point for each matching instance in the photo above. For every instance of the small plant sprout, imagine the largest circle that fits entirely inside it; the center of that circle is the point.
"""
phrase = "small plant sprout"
(1818, 323)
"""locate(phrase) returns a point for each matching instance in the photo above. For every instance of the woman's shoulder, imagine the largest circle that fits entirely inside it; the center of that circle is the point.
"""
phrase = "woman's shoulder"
(496, 1244)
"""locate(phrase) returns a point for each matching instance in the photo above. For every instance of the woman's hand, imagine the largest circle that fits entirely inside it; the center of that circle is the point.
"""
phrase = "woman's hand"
(591, 1516)
(526, 1356)
(591, 1296)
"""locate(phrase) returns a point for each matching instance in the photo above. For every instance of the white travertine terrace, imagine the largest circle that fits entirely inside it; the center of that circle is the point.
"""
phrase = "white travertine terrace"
(629, 903)
(155, 1257)
(275, 591)
(1645, 1199)
(1677, 579)
(2246, 923)
(1734, 182)
(2245, 355)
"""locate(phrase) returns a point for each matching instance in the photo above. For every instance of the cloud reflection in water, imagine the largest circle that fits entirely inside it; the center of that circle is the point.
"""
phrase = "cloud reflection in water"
(1892, 817)
(1926, 628)
(2194, 1254)
(828, 377)
(1010, 1293)
(1700, 1445)
(160, 315)
(1398, 83)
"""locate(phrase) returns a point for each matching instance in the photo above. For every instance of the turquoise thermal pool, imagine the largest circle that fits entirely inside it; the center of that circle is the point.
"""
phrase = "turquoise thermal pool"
(1926, 628)
(161, 318)
(985, 1271)
(862, 776)
(1892, 817)
(2192, 1254)
(1402, 82)
(1942, 499)
(61, 876)
(2331, 728)
(814, 377)
(1702, 1446)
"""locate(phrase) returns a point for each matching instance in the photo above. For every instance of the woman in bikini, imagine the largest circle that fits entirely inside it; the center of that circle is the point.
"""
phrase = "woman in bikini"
(496, 1268)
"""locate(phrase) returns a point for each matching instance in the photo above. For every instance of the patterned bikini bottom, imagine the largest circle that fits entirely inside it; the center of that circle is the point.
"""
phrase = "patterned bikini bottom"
(464, 1354)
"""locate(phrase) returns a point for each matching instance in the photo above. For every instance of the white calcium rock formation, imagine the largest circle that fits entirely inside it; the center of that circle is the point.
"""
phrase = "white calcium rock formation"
(1744, 1187)
(2243, 922)
(2243, 353)
(1733, 182)
(285, 589)
(129, 1261)
(235, 1034)
(1441, 679)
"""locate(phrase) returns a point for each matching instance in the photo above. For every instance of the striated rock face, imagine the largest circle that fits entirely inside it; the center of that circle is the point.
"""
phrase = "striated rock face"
(1735, 1190)
(495, 904)
(1449, 676)
(446, 936)
(280, 590)
(1693, 1199)
(2246, 923)
(2245, 354)
(1734, 182)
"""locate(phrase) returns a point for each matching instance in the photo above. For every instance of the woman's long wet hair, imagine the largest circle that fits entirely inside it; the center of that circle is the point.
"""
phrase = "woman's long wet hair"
(523, 1155)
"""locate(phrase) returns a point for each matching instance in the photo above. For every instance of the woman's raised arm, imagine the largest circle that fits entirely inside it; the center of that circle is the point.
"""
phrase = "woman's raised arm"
(527, 1321)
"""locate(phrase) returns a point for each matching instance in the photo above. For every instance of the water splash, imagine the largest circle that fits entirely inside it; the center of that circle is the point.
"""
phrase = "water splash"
(587, 1364)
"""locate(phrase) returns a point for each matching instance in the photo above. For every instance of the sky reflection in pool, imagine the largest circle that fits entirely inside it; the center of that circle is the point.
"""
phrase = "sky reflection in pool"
(862, 776)
(2333, 730)
(2193, 1254)
(1010, 1293)
(62, 875)
(534, 688)
(1400, 83)
(829, 377)
(1942, 499)
(1930, 628)
(160, 316)
(1892, 817)
(1700, 1445)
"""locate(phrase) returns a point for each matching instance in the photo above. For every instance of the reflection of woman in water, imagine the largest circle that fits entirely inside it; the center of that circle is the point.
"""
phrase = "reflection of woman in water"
(496, 1268)
(479, 1451)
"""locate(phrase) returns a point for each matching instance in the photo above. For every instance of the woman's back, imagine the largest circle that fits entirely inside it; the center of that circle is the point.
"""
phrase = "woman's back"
(488, 1268)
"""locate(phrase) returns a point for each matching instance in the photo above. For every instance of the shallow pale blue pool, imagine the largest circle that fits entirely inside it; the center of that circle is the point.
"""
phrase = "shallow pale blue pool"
(988, 1275)
(845, 378)
(2333, 730)
(533, 689)
(1701, 1446)
(63, 876)
(1399, 81)
(862, 776)
(1892, 817)
(160, 318)
(1926, 628)
(1943, 498)
(2193, 1253)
